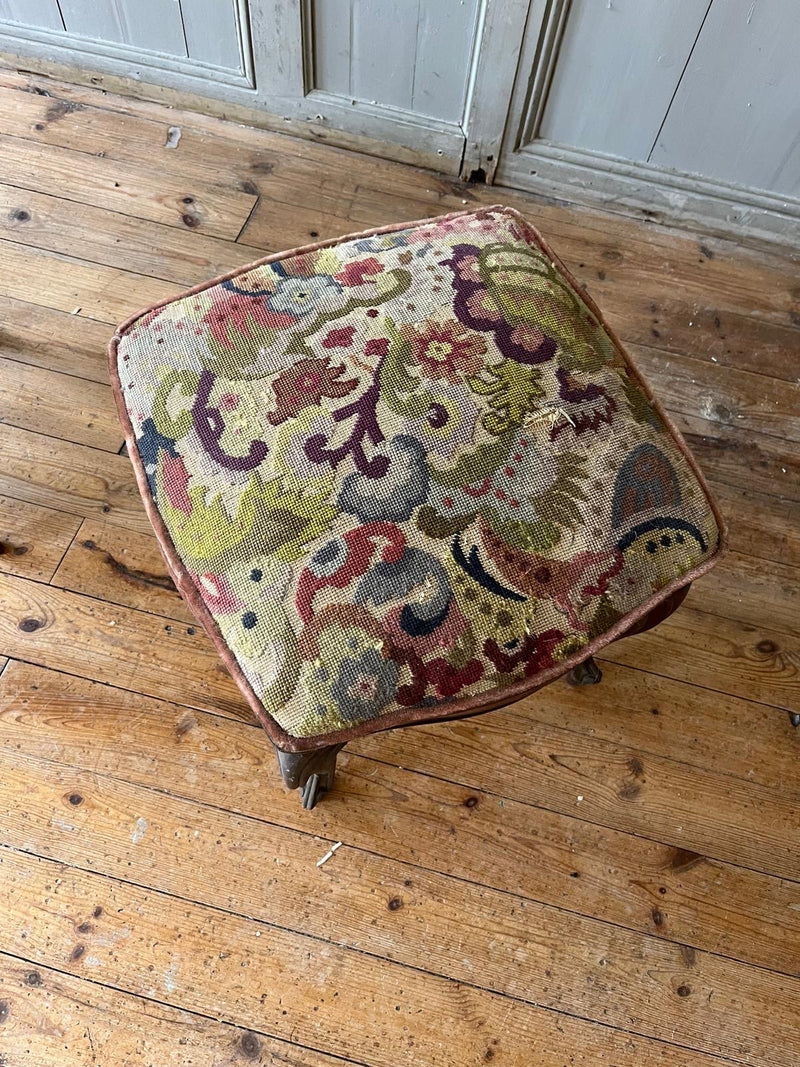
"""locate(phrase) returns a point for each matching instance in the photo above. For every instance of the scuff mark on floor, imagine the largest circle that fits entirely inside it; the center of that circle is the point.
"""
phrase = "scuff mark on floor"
(170, 983)
(139, 830)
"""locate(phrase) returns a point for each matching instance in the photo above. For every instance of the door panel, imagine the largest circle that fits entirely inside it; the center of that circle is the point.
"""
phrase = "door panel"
(411, 55)
(445, 35)
(168, 42)
(687, 111)
(384, 45)
(736, 114)
(149, 24)
(211, 28)
(618, 66)
(43, 14)
(332, 33)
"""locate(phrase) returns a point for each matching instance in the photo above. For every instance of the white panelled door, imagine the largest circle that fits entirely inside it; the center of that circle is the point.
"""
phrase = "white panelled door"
(175, 42)
(673, 108)
(403, 73)
(686, 109)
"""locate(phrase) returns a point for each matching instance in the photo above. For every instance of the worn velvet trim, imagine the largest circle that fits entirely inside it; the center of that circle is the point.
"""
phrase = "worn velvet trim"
(448, 709)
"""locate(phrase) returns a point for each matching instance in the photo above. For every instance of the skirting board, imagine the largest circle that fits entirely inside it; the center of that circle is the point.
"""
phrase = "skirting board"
(558, 172)
(645, 191)
(320, 117)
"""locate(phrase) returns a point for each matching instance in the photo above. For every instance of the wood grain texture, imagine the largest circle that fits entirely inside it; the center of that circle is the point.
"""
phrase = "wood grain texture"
(343, 1001)
(122, 567)
(303, 175)
(718, 653)
(132, 649)
(136, 189)
(114, 1027)
(90, 289)
(54, 340)
(121, 948)
(741, 400)
(630, 881)
(68, 477)
(762, 526)
(103, 236)
(544, 766)
(598, 876)
(33, 539)
(59, 406)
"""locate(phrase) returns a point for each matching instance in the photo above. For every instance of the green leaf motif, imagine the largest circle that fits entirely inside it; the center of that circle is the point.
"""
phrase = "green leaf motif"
(186, 382)
(559, 502)
(278, 520)
(528, 290)
(640, 407)
(400, 389)
(474, 466)
(513, 391)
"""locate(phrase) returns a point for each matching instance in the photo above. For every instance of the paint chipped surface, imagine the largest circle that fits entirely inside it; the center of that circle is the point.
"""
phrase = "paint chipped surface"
(139, 830)
(171, 975)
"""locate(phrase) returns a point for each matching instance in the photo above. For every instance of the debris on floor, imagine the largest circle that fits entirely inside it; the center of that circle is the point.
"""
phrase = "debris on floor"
(329, 853)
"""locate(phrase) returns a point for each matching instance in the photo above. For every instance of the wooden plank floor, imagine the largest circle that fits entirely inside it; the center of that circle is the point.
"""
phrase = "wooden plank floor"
(591, 877)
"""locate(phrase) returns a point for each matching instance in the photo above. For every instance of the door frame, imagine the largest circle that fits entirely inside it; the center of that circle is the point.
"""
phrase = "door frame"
(642, 190)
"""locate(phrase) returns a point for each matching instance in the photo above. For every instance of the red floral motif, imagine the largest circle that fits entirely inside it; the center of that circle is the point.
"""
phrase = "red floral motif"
(467, 269)
(234, 310)
(176, 479)
(534, 653)
(305, 384)
(528, 337)
(377, 346)
(445, 349)
(217, 592)
(353, 273)
(342, 338)
(348, 557)
(445, 679)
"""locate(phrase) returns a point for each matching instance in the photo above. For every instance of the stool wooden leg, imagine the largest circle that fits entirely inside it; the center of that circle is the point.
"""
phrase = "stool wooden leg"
(310, 772)
(586, 673)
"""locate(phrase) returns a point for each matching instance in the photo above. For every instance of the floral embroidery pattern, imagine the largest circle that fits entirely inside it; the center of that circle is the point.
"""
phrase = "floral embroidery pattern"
(406, 470)
(445, 349)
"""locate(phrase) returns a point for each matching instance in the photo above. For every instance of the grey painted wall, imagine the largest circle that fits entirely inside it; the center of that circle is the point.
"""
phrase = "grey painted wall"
(202, 30)
(736, 114)
(41, 13)
(408, 54)
(618, 66)
(708, 87)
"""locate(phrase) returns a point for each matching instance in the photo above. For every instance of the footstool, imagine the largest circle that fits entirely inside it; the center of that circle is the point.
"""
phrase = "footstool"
(405, 476)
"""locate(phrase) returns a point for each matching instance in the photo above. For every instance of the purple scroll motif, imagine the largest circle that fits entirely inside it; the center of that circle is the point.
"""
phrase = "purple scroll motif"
(366, 425)
(210, 427)
(474, 307)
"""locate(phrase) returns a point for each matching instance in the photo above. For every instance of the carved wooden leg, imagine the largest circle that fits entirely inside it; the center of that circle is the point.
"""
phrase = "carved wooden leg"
(586, 673)
(310, 772)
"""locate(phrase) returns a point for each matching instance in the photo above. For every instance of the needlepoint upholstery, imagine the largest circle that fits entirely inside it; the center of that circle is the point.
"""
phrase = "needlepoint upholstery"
(405, 475)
